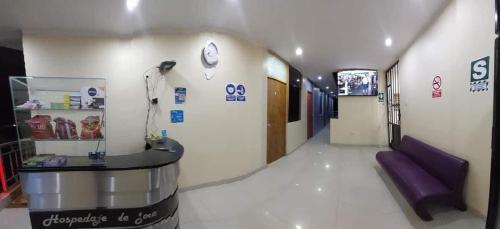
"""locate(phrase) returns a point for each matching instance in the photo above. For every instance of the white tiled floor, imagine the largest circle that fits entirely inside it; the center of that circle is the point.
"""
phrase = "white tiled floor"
(318, 186)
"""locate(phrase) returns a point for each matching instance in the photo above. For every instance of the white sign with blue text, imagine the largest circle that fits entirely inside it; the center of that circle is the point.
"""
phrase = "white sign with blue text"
(235, 92)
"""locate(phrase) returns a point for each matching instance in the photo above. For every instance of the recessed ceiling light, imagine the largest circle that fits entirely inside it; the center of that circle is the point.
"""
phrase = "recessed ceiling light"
(132, 4)
(320, 77)
(327, 87)
(298, 226)
(299, 51)
(331, 92)
(388, 42)
(298, 80)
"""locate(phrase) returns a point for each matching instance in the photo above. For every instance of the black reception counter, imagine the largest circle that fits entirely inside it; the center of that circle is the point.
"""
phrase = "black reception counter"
(129, 191)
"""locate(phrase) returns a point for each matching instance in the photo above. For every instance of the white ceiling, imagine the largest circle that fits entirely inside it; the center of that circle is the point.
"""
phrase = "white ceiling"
(334, 34)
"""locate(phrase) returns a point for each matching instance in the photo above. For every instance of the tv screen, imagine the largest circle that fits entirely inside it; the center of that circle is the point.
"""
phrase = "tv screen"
(358, 83)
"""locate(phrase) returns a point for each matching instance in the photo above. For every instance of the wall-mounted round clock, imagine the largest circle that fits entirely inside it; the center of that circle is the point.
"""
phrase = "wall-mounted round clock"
(211, 53)
(210, 59)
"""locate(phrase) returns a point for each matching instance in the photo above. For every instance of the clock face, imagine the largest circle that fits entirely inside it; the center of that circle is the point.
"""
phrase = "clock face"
(211, 53)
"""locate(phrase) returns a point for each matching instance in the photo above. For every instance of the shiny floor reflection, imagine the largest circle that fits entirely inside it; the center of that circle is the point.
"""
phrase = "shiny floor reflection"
(319, 186)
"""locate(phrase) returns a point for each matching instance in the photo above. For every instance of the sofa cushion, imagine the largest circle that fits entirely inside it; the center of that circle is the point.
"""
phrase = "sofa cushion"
(411, 179)
(447, 168)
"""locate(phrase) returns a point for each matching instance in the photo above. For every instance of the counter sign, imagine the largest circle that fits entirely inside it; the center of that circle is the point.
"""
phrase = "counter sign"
(479, 75)
(436, 87)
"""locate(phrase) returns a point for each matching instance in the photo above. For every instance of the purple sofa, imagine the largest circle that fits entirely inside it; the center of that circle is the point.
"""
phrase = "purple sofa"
(425, 175)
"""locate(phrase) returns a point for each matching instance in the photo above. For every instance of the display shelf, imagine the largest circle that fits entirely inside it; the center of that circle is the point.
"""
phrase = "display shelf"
(50, 109)
(67, 140)
(58, 120)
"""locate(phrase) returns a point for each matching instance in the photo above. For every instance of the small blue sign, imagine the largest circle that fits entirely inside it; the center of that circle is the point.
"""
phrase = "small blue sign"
(177, 116)
(240, 89)
(180, 95)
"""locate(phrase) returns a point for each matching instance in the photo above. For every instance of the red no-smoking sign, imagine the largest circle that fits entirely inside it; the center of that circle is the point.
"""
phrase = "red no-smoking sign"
(436, 86)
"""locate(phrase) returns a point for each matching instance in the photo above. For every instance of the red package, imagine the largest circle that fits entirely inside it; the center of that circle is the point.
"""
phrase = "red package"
(41, 128)
(91, 129)
(65, 129)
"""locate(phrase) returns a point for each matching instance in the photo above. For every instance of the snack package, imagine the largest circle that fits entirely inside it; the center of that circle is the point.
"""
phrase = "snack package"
(65, 129)
(41, 128)
(91, 128)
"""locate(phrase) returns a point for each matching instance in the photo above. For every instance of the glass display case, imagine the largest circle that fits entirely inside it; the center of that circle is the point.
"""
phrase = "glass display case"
(59, 116)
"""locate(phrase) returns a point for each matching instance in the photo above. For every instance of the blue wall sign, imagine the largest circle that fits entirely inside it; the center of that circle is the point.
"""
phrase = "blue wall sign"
(180, 95)
(235, 92)
(177, 116)
(230, 90)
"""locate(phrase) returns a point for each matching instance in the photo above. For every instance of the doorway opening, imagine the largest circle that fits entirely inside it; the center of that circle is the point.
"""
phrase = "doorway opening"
(393, 106)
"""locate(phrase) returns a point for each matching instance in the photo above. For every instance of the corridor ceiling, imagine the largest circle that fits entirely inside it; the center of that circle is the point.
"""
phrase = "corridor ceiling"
(334, 34)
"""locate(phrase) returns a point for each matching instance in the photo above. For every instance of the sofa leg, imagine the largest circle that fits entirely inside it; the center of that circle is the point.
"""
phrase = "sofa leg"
(460, 206)
(423, 214)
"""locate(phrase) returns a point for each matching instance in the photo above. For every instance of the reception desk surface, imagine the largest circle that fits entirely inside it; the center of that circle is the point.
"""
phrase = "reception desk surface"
(129, 191)
(163, 153)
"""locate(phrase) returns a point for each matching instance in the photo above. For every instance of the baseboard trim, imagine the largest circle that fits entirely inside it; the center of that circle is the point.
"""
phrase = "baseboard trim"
(221, 182)
(342, 144)
(476, 212)
(231, 180)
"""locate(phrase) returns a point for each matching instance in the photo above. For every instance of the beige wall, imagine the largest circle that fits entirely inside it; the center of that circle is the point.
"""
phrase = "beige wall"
(222, 140)
(460, 122)
(296, 132)
(362, 119)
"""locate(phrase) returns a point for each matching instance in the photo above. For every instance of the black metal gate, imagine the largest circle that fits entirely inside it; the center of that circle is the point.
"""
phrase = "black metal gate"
(393, 106)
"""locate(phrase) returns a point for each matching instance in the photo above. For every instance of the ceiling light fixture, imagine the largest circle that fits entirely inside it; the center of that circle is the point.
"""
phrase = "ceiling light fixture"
(320, 77)
(298, 80)
(299, 51)
(327, 87)
(388, 42)
(132, 4)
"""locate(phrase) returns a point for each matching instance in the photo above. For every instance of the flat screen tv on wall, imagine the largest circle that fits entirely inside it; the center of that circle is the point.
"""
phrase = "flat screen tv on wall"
(358, 83)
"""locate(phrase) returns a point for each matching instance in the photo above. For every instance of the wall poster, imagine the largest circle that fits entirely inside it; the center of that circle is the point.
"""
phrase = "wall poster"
(479, 75)
(180, 95)
(235, 92)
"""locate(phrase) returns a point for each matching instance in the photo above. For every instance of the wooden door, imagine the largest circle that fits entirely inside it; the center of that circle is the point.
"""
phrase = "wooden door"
(276, 120)
(309, 115)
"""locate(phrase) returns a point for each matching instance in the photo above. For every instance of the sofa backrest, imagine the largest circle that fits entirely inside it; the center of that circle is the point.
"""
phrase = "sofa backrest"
(449, 169)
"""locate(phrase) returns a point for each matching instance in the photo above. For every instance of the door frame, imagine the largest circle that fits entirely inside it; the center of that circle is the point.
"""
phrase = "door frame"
(310, 121)
(491, 220)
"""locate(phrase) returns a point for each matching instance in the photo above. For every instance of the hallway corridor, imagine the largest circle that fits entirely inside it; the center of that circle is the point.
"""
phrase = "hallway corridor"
(319, 186)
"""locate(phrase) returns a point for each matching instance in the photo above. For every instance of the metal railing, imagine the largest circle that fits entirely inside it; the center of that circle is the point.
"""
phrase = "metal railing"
(11, 158)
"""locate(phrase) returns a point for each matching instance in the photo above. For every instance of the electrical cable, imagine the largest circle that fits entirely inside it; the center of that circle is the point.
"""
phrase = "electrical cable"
(148, 97)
